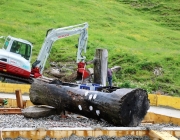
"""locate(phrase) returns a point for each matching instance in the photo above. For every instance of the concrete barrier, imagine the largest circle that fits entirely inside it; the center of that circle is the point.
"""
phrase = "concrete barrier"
(165, 101)
(10, 88)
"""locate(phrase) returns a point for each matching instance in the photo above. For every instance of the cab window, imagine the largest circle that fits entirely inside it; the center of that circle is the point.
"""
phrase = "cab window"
(6, 43)
(21, 48)
(25, 50)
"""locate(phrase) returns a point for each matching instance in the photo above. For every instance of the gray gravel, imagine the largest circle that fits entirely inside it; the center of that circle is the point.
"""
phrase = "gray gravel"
(158, 126)
(74, 137)
(11, 121)
(72, 121)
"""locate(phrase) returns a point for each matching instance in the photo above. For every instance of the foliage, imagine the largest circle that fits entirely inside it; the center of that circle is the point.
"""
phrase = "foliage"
(140, 35)
(126, 84)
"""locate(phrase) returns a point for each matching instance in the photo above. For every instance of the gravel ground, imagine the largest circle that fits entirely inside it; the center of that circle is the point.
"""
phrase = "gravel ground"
(72, 121)
(158, 126)
(74, 137)
(19, 121)
(11, 121)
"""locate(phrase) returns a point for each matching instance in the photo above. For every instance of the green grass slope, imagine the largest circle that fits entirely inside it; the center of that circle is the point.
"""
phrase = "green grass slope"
(141, 36)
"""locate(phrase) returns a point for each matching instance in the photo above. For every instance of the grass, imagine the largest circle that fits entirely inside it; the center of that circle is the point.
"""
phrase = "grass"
(139, 35)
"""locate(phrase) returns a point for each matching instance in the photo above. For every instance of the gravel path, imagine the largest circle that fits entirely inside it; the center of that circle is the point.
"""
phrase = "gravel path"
(11, 121)
(72, 121)
(74, 137)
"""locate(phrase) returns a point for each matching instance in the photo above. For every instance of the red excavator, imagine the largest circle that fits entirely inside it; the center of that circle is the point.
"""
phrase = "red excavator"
(16, 53)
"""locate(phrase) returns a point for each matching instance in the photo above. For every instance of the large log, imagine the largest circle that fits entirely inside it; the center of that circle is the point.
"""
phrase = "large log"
(123, 107)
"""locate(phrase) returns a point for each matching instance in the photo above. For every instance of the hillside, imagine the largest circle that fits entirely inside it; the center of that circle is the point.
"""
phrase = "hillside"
(141, 36)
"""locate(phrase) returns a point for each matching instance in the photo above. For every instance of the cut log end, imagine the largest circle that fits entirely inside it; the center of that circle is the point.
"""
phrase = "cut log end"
(134, 107)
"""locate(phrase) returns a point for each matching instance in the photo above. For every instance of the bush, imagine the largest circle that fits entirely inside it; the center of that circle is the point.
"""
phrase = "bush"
(147, 65)
(130, 70)
(127, 84)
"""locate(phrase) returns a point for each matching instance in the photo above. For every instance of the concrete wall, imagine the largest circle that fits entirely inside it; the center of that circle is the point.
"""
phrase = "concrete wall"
(10, 88)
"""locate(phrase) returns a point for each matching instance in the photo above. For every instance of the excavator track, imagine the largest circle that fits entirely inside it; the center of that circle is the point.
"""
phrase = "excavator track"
(15, 79)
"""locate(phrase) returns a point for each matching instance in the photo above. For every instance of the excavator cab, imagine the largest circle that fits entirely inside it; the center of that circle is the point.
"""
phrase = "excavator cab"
(18, 46)
(15, 57)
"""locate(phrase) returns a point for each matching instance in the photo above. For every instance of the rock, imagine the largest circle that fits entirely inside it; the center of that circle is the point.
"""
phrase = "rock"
(66, 70)
(53, 64)
(91, 70)
(70, 78)
(38, 111)
(116, 68)
(56, 73)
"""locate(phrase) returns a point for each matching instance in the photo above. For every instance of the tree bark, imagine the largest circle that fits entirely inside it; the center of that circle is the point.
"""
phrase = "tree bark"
(123, 107)
(100, 66)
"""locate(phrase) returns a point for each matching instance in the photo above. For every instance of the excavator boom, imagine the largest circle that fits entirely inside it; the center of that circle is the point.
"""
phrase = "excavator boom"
(56, 34)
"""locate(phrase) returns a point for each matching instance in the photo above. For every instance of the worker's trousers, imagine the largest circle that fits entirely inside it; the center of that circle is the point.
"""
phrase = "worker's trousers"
(110, 81)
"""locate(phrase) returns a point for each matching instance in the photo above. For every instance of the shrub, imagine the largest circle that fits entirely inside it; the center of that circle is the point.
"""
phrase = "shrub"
(147, 65)
(127, 84)
(130, 70)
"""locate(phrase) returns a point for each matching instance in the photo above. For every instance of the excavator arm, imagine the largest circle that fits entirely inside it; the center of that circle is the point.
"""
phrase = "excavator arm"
(54, 35)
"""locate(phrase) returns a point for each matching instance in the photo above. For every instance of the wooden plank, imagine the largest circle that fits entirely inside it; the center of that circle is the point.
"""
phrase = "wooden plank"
(1, 100)
(163, 135)
(10, 111)
(19, 98)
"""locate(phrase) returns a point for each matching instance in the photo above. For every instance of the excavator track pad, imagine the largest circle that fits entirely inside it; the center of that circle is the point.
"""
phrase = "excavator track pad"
(15, 79)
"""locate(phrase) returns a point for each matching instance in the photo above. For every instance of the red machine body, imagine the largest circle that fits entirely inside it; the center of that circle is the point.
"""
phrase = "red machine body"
(81, 71)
